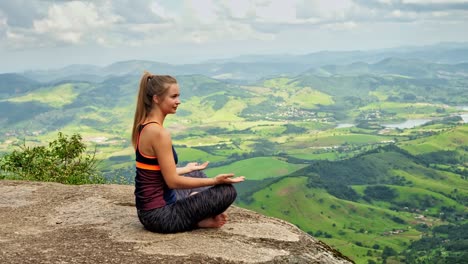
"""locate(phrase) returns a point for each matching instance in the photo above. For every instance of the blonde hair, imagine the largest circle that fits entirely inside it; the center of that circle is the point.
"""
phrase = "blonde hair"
(150, 85)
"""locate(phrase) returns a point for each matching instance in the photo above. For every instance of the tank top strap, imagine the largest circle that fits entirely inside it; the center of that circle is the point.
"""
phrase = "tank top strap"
(140, 128)
(143, 125)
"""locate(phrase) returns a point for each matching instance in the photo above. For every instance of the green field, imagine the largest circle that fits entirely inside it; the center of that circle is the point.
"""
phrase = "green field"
(315, 212)
(56, 96)
(257, 168)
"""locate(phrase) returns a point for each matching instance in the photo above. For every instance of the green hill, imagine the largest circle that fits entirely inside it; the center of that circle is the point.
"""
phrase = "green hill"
(386, 197)
(12, 84)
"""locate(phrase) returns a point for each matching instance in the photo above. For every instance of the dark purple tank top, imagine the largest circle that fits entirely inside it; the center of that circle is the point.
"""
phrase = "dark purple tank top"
(151, 191)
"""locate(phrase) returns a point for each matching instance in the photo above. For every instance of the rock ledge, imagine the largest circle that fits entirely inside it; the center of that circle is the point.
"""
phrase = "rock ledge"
(55, 223)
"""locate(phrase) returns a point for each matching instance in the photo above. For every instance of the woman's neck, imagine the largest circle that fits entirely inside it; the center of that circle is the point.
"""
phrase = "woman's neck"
(155, 117)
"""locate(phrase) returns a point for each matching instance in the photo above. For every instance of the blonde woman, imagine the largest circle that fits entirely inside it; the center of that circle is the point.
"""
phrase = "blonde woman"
(157, 178)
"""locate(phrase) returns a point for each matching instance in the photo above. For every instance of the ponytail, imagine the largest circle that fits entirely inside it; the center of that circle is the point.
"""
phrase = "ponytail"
(141, 110)
(150, 85)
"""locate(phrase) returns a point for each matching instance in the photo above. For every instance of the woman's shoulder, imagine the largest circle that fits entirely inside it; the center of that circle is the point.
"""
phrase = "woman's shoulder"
(156, 130)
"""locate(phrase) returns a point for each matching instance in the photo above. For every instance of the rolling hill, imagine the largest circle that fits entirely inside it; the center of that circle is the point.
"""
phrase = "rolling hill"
(311, 136)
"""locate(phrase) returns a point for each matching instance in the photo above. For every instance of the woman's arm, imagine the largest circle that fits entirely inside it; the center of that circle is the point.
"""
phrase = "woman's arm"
(162, 146)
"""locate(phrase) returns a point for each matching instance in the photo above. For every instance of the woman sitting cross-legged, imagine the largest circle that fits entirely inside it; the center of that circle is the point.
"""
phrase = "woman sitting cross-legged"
(166, 200)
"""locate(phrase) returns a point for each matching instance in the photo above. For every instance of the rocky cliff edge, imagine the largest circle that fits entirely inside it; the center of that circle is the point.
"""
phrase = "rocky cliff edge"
(55, 223)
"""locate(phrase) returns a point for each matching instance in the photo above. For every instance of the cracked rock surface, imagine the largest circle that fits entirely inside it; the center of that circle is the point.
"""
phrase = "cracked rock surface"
(55, 223)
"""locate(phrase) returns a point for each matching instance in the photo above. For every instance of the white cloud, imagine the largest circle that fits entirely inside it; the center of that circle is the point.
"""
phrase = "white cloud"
(249, 25)
(18, 37)
(241, 9)
(277, 12)
(327, 10)
(147, 22)
(70, 22)
(161, 12)
(204, 21)
(202, 11)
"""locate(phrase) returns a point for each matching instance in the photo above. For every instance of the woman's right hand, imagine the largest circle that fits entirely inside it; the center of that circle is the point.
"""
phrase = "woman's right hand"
(227, 178)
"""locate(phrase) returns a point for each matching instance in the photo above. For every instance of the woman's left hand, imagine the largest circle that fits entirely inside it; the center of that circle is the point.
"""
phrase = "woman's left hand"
(193, 166)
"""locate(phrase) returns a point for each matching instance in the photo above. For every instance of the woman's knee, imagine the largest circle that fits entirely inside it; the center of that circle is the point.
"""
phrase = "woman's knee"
(228, 191)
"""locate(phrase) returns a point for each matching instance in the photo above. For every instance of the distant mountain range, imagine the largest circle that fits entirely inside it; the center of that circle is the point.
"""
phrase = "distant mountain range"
(439, 53)
(254, 67)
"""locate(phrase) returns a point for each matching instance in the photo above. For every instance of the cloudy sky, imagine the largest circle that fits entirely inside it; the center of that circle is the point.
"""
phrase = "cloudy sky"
(44, 34)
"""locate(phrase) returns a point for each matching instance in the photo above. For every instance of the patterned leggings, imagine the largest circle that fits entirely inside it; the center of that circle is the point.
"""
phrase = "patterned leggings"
(188, 210)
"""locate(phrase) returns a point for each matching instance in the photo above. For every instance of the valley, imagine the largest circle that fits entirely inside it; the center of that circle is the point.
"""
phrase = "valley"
(370, 160)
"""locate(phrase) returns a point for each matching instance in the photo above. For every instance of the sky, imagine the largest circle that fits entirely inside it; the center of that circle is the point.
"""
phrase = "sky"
(49, 34)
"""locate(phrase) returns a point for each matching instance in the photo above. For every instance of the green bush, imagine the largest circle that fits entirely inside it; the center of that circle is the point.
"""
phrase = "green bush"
(64, 160)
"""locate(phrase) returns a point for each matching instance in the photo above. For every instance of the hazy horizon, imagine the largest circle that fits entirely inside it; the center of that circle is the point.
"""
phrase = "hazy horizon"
(50, 34)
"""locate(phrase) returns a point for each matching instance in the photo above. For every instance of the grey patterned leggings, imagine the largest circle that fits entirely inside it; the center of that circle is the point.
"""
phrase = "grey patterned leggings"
(188, 210)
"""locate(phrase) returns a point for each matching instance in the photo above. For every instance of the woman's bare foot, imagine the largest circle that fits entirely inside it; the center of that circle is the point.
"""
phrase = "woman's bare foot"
(223, 216)
(213, 222)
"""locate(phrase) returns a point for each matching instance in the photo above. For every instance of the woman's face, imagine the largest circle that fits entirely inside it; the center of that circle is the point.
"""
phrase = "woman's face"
(171, 100)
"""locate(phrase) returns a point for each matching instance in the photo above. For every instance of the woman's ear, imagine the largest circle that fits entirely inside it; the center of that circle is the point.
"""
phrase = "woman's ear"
(155, 99)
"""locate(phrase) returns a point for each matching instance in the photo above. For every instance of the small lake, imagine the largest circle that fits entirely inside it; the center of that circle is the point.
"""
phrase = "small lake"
(345, 125)
(464, 116)
(410, 123)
